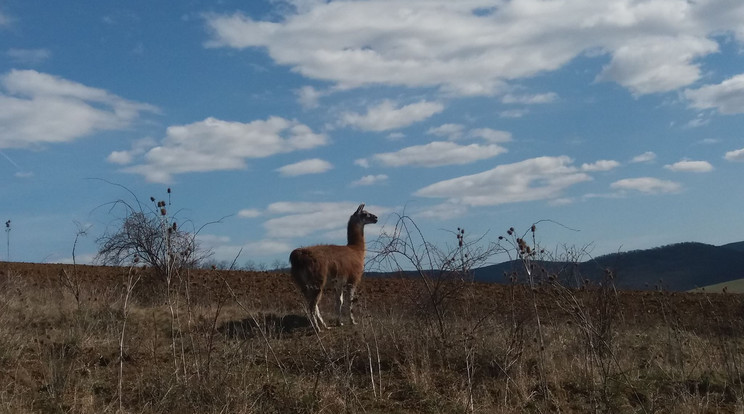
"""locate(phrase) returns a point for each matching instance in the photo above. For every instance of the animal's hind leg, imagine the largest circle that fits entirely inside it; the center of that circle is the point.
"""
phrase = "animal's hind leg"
(313, 298)
(350, 289)
(340, 305)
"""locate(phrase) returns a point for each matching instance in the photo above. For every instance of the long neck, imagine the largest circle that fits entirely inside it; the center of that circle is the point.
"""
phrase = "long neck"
(355, 234)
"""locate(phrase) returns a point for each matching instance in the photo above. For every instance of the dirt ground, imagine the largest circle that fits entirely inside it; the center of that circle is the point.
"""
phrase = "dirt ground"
(275, 290)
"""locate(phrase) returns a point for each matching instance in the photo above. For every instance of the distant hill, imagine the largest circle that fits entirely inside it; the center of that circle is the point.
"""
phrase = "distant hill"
(738, 246)
(678, 267)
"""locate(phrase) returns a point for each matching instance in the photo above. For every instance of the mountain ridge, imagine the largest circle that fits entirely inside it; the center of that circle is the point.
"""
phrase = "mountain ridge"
(676, 267)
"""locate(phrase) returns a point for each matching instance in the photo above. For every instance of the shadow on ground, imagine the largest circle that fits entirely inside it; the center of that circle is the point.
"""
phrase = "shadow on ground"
(270, 323)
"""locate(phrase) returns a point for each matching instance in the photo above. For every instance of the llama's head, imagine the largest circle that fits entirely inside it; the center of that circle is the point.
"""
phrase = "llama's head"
(363, 216)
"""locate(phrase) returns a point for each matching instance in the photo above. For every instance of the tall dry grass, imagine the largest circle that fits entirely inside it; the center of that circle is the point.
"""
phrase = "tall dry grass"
(595, 349)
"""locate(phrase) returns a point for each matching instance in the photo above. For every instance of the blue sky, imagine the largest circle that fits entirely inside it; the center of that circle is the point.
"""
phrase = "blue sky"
(620, 119)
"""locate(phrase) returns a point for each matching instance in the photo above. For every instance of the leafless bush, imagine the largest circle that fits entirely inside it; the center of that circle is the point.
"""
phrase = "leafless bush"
(153, 235)
(445, 273)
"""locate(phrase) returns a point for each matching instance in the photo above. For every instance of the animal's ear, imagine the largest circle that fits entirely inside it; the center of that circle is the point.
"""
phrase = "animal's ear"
(360, 209)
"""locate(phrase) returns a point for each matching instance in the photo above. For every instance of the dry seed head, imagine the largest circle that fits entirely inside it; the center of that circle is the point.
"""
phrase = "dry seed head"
(163, 211)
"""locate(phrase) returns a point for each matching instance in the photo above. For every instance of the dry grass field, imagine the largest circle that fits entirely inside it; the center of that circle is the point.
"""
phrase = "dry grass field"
(76, 339)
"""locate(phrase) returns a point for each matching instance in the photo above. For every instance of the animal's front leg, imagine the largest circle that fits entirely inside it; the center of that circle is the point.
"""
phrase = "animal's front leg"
(340, 305)
(350, 297)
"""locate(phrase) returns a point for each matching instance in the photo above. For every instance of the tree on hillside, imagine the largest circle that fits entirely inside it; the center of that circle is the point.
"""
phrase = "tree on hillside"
(150, 236)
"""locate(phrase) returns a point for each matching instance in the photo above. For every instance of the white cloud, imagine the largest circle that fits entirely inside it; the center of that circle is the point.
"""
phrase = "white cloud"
(513, 113)
(438, 153)
(29, 56)
(211, 240)
(647, 156)
(449, 131)
(735, 155)
(213, 145)
(311, 166)
(444, 211)
(120, 157)
(308, 96)
(125, 157)
(249, 213)
(24, 174)
(533, 179)
(727, 97)
(601, 165)
(37, 108)
(563, 201)
(394, 136)
(653, 45)
(457, 131)
(700, 120)
(648, 185)
(362, 162)
(657, 63)
(370, 180)
(690, 166)
(387, 116)
(491, 135)
(267, 248)
(541, 98)
(300, 219)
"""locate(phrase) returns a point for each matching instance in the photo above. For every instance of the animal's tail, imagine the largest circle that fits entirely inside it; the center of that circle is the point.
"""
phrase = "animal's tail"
(301, 260)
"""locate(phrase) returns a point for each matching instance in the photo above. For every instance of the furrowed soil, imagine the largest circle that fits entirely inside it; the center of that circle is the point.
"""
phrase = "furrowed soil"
(76, 339)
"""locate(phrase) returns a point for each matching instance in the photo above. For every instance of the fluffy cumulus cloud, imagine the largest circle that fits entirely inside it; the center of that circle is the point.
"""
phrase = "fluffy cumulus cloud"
(727, 97)
(214, 144)
(735, 155)
(653, 46)
(438, 153)
(648, 185)
(311, 166)
(690, 166)
(533, 179)
(646, 157)
(387, 115)
(125, 157)
(449, 131)
(38, 108)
